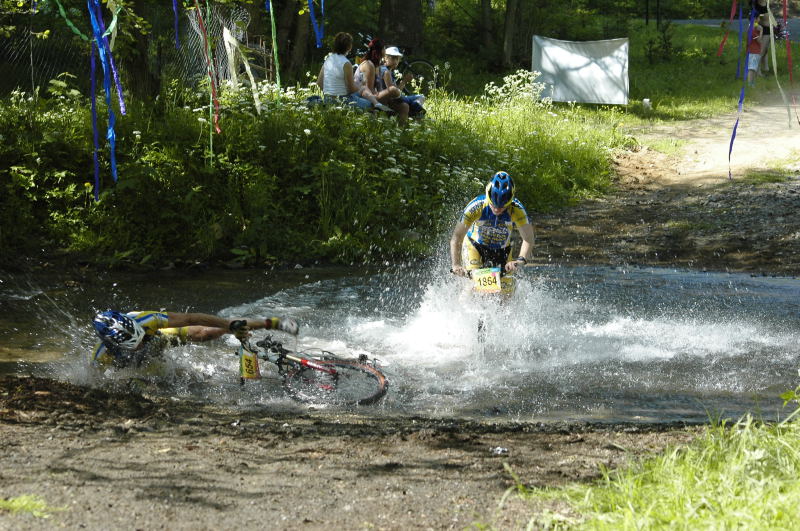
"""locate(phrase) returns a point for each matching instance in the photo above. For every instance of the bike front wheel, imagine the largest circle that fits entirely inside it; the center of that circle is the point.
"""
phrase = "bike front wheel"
(353, 383)
(425, 77)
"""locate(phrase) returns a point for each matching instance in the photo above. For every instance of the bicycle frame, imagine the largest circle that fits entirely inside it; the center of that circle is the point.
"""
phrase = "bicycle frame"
(346, 381)
(273, 353)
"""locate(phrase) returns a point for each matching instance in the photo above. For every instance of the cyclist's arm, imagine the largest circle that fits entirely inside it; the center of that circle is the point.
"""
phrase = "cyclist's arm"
(456, 240)
(526, 232)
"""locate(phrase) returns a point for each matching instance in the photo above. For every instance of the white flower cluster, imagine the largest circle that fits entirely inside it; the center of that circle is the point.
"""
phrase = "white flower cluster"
(519, 87)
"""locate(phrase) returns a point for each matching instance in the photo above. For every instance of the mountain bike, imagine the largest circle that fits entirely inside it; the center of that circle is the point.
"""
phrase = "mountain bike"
(425, 75)
(318, 376)
(491, 282)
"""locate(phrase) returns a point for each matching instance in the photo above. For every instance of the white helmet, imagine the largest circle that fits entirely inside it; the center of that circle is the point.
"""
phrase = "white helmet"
(117, 330)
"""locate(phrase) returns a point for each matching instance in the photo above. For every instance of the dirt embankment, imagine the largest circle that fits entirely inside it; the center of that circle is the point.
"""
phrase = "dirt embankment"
(127, 462)
(682, 209)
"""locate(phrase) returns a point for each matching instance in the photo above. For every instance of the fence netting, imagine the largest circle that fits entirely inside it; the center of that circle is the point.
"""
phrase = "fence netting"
(40, 47)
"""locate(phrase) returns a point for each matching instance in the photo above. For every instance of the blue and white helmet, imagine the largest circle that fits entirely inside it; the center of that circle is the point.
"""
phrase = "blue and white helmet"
(117, 330)
(500, 190)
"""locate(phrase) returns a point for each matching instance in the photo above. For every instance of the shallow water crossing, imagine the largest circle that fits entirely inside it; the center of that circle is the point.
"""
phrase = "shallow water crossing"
(600, 344)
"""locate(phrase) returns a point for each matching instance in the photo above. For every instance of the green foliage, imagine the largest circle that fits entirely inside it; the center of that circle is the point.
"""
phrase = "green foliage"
(27, 503)
(740, 476)
(296, 182)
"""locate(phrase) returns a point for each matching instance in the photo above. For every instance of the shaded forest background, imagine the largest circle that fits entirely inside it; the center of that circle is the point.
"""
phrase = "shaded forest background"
(474, 35)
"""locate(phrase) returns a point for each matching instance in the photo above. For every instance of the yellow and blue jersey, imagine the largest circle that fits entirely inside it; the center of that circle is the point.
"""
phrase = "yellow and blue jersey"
(487, 229)
(155, 324)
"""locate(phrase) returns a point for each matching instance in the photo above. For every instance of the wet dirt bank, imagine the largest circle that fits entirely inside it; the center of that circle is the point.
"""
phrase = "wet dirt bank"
(123, 461)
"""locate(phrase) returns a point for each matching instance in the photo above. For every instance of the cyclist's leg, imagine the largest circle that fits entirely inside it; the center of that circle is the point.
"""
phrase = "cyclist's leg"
(471, 256)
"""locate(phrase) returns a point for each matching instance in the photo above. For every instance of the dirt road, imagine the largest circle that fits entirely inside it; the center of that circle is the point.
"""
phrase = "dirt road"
(682, 209)
(127, 462)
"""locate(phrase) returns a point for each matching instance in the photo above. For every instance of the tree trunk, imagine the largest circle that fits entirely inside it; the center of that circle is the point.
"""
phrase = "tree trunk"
(509, 32)
(400, 23)
(298, 47)
(486, 23)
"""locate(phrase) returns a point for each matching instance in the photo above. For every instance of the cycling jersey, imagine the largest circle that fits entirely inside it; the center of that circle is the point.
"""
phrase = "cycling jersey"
(158, 335)
(489, 230)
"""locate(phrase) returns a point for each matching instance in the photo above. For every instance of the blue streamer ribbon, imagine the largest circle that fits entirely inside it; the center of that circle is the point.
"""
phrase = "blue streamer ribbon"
(175, 10)
(104, 35)
(106, 64)
(95, 134)
(266, 5)
(741, 93)
(317, 30)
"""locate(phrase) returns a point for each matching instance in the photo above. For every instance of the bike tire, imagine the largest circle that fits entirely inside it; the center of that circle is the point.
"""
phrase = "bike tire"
(354, 384)
(425, 77)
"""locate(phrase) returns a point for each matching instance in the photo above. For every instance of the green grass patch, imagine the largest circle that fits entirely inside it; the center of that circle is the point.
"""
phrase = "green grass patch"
(28, 503)
(739, 476)
(766, 176)
(668, 146)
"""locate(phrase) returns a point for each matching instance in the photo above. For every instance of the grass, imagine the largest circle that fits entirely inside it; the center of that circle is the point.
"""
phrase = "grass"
(668, 146)
(27, 503)
(740, 476)
(344, 174)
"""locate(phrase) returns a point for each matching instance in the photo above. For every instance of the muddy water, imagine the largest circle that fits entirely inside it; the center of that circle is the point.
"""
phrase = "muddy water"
(575, 343)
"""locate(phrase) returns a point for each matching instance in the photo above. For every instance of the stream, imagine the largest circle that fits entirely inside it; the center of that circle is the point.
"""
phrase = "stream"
(575, 343)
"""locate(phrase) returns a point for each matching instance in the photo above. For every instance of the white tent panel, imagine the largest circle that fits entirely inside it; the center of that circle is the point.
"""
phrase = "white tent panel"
(586, 72)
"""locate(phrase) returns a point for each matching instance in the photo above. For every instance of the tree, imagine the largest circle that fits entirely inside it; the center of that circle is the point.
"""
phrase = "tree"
(486, 23)
(509, 31)
(400, 22)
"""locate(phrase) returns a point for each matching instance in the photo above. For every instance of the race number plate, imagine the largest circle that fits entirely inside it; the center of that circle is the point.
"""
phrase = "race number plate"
(248, 365)
(486, 280)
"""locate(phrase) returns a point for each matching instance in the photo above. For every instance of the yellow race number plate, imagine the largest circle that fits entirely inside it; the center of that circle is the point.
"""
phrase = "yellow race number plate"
(486, 280)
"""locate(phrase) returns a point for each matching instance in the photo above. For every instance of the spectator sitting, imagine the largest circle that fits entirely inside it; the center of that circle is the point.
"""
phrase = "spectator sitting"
(368, 71)
(391, 59)
(335, 78)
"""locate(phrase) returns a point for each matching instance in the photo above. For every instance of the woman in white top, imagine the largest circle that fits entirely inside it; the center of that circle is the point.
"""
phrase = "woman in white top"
(336, 75)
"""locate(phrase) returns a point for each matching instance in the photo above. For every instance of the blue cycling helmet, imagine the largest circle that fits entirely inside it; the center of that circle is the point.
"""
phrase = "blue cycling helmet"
(500, 190)
(117, 330)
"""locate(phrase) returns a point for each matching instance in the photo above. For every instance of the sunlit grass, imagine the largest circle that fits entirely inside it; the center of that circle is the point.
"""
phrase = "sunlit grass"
(27, 503)
(740, 476)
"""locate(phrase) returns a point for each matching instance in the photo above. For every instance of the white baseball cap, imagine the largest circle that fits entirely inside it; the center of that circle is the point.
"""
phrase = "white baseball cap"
(394, 51)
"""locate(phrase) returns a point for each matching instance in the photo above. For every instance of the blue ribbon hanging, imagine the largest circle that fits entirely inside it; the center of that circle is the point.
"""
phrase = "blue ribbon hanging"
(317, 31)
(175, 11)
(95, 134)
(106, 64)
(114, 72)
(741, 93)
(266, 5)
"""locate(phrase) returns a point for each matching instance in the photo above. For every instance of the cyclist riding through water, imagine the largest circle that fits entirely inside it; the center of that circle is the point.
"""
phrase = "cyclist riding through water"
(134, 338)
(487, 223)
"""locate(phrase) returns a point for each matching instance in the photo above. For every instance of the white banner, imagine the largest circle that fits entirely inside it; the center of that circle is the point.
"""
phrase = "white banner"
(586, 72)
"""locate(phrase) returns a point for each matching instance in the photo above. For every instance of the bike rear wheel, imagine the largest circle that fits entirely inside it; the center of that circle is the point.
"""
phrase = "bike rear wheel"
(353, 383)
(425, 77)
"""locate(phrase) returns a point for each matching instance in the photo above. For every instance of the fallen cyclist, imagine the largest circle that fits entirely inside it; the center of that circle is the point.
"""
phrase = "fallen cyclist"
(134, 338)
